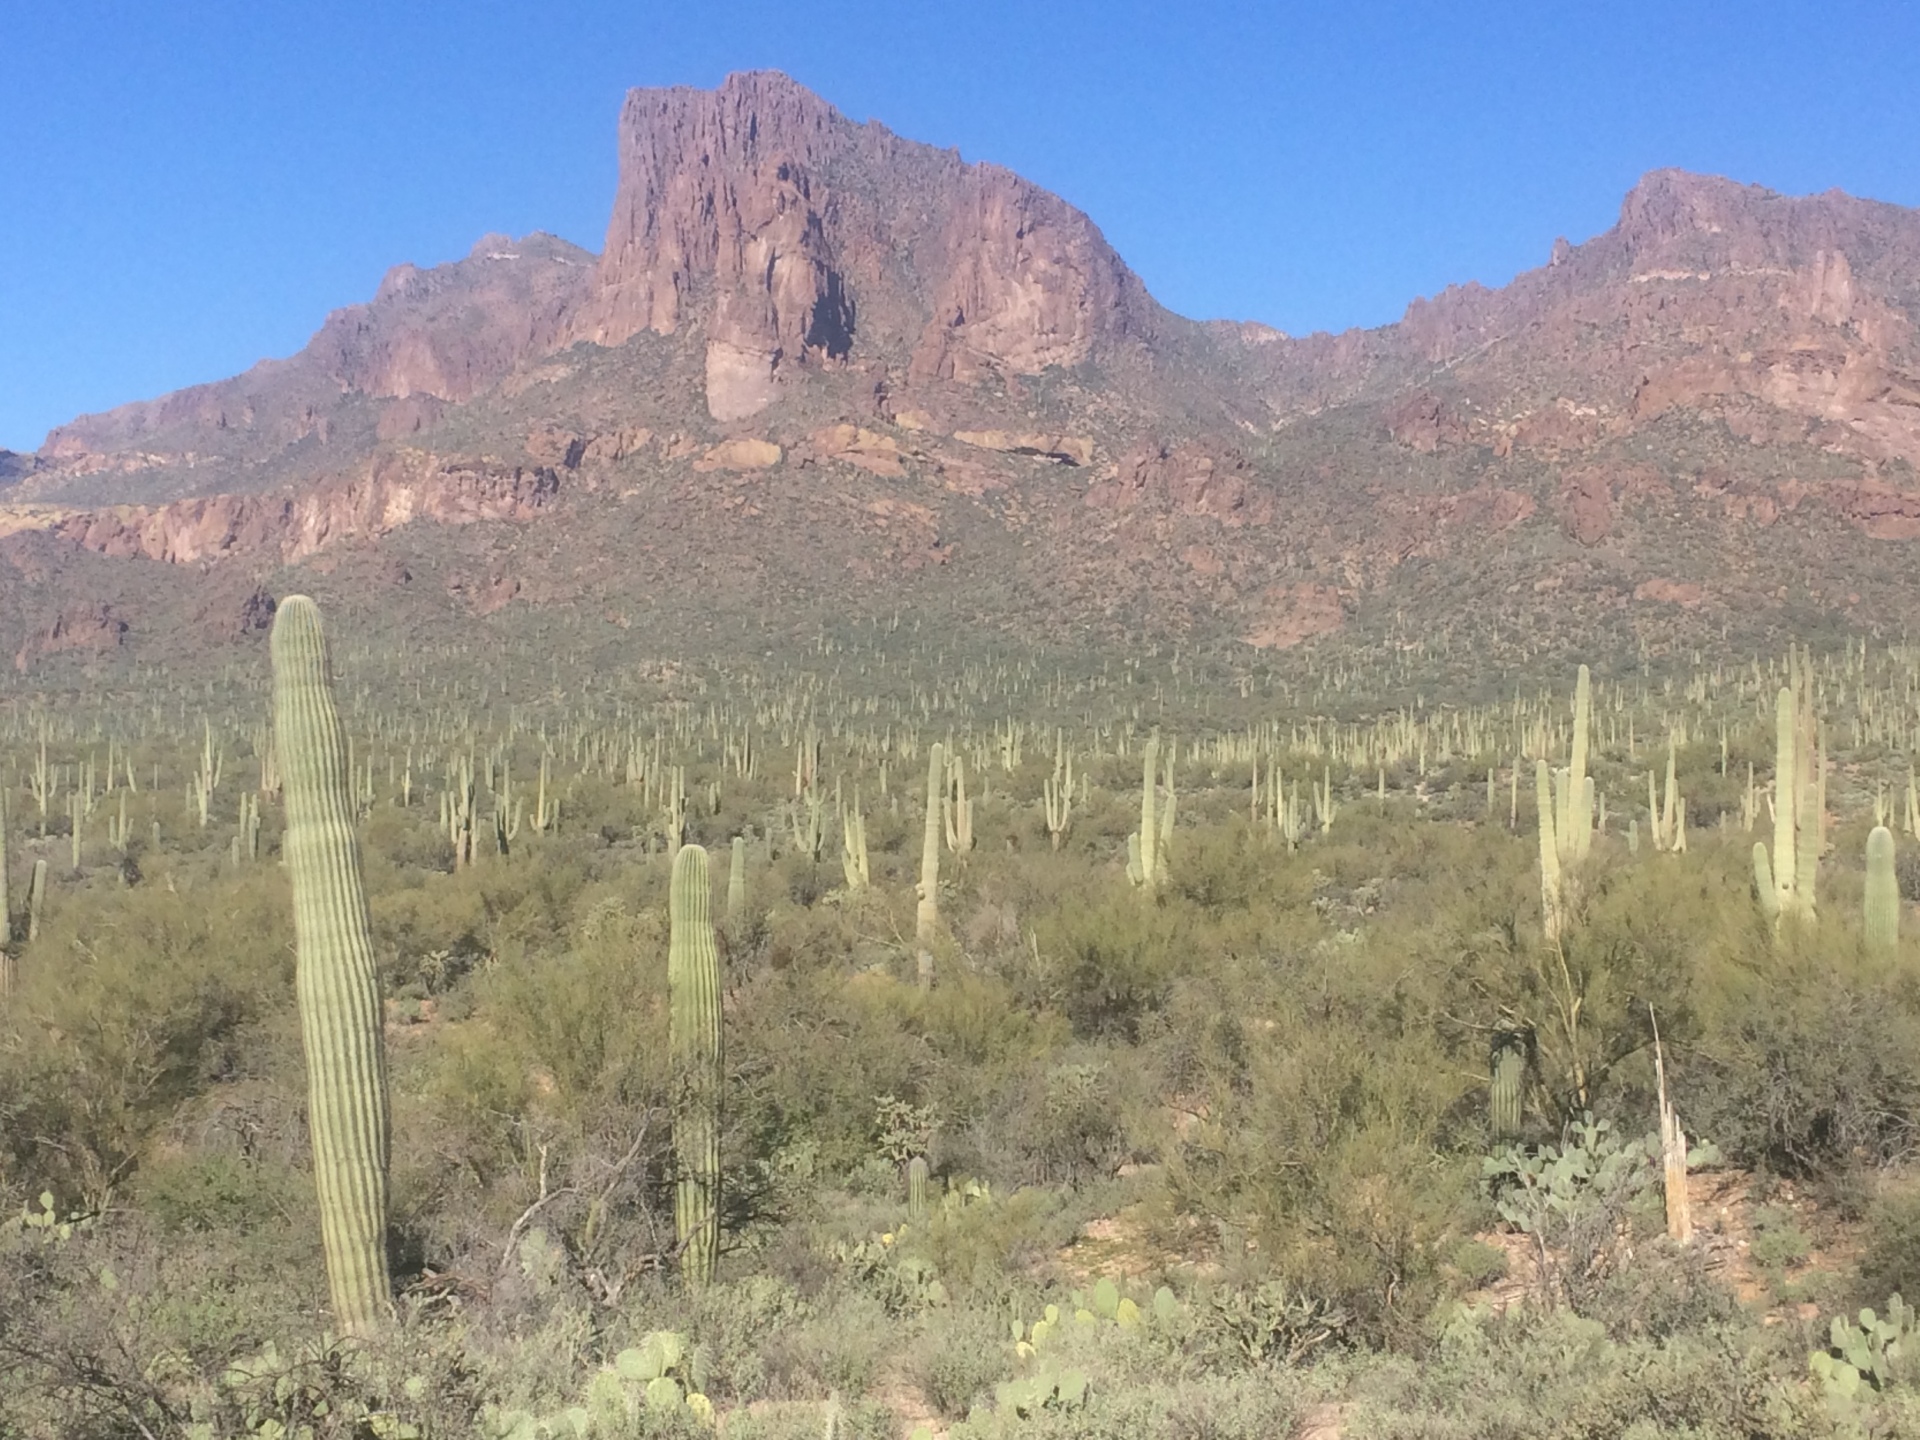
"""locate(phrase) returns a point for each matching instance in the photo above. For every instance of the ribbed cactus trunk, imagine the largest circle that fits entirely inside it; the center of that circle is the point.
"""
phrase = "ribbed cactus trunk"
(917, 1188)
(1883, 892)
(338, 989)
(927, 916)
(693, 991)
(1507, 1083)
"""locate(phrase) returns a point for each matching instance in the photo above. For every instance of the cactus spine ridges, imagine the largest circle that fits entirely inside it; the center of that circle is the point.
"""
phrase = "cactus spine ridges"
(917, 1188)
(1507, 1091)
(1883, 892)
(693, 991)
(339, 997)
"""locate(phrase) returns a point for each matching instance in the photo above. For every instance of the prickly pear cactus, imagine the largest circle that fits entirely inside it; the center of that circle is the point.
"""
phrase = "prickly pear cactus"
(339, 993)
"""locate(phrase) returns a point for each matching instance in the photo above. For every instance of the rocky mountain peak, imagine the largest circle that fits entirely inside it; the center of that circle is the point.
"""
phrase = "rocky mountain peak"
(796, 237)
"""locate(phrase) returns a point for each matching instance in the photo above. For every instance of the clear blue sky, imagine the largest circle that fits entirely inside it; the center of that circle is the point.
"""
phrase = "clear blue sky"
(187, 188)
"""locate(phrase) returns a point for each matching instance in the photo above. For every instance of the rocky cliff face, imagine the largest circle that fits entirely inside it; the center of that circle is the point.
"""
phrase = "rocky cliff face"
(394, 490)
(763, 216)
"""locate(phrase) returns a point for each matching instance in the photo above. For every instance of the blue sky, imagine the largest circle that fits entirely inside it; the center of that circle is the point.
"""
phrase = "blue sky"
(188, 188)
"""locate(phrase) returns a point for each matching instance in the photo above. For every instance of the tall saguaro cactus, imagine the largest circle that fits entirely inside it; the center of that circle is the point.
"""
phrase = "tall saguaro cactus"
(927, 915)
(339, 993)
(1794, 872)
(693, 992)
(1566, 818)
(1143, 847)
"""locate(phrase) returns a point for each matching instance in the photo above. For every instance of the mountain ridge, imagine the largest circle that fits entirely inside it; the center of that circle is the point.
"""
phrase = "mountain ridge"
(796, 317)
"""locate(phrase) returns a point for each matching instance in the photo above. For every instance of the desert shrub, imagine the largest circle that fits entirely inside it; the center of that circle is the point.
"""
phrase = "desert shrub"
(961, 1355)
(1324, 1148)
(1806, 1062)
(1889, 1261)
(1559, 1377)
(154, 999)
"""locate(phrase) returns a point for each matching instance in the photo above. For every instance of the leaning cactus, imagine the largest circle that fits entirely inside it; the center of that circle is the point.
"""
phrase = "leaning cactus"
(339, 995)
(693, 988)
(1883, 892)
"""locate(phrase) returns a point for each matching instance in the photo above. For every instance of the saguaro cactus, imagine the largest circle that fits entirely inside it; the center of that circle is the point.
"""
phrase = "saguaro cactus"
(1564, 800)
(917, 1188)
(1508, 1080)
(1883, 892)
(927, 915)
(339, 995)
(1143, 861)
(1796, 805)
(693, 991)
(737, 883)
(6, 895)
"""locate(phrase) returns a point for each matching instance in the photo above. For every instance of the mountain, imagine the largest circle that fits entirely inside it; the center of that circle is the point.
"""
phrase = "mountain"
(818, 372)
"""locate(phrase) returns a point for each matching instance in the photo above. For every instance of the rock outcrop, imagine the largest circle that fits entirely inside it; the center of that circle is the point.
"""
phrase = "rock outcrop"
(394, 490)
(791, 236)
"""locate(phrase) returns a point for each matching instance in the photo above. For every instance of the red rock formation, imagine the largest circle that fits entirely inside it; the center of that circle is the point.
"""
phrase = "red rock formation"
(1029, 283)
(393, 491)
(77, 627)
(1586, 505)
(1285, 615)
(728, 216)
(1190, 478)
(452, 331)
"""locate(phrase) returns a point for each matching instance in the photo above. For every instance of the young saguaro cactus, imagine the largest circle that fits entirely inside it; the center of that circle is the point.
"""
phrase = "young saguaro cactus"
(1507, 1082)
(693, 992)
(1883, 892)
(338, 989)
